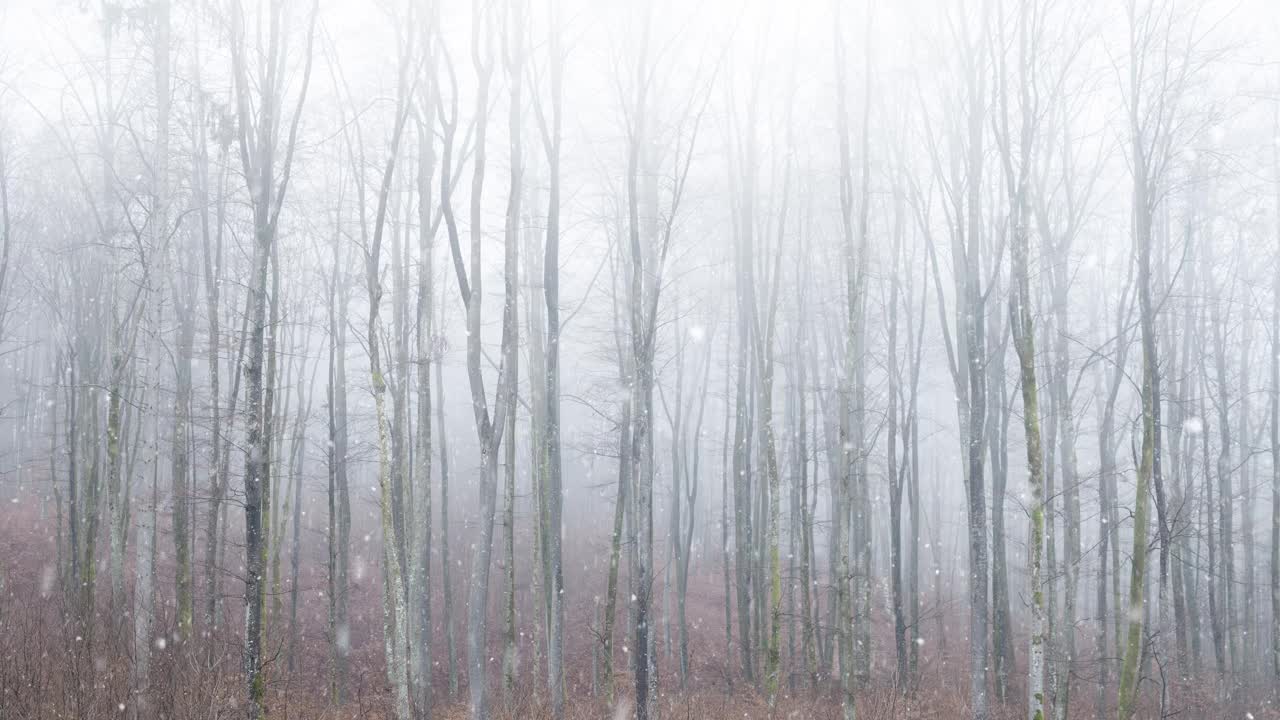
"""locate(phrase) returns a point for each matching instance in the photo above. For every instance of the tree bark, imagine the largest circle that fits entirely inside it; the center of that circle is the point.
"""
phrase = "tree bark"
(553, 491)
(267, 191)
(339, 496)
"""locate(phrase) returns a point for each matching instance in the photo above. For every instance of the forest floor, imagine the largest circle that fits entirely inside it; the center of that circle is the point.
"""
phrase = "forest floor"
(46, 670)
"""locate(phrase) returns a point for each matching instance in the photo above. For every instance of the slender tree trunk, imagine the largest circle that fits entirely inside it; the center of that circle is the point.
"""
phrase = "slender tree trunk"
(642, 405)
(489, 429)
(1133, 647)
(974, 359)
(144, 596)
(509, 657)
(554, 491)
(615, 545)
(295, 550)
(1275, 457)
(808, 641)
(692, 477)
(513, 55)
(742, 504)
(725, 470)
(1023, 322)
(184, 296)
(1225, 470)
(211, 256)
(1108, 515)
(339, 494)
(1212, 580)
(256, 481)
(676, 418)
(257, 155)
(915, 346)
(420, 577)
(895, 474)
(395, 610)
(1000, 410)
(1275, 462)
(1067, 435)
(1247, 616)
(446, 571)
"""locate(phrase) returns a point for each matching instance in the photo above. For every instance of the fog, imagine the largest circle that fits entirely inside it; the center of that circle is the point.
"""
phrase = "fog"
(419, 359)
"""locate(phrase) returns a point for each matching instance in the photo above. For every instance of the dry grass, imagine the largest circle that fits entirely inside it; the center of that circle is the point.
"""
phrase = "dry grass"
(45, 672)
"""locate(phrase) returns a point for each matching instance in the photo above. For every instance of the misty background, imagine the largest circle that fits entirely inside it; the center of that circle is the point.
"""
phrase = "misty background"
(778, 426)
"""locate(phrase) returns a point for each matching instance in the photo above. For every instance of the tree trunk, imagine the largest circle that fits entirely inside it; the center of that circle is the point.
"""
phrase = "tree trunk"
(509, 657)
(339, 532)
(295, 551)
(1023, 326)
(420, 572)
(144, 597)
(257, 156)
(395, 612)
(895, 474)
(1275, 458)
(554, 490)
(446, 571)
(615, 545)
(1133, 647)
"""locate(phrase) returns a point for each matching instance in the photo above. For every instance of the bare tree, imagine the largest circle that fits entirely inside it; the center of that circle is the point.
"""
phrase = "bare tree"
(259, 106)
(1275, 447)
(489, 429)
(551, 523)
(1157, 80)
(395, 610)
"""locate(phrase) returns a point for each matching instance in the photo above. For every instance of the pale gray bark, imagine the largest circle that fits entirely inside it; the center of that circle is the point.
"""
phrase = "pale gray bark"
(211, 266)
(395, 611)
(553, 493)
(1275, 453)
(896, 471)
(446, 571)
(513, 61)
(258, 144)
(1275, 449)
(297, 470)
(489, 429)
(144, 593)
(339, 499)
(420, 586)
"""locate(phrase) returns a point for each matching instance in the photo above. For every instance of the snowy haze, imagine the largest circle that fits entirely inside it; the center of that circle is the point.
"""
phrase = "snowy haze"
(824, 204)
